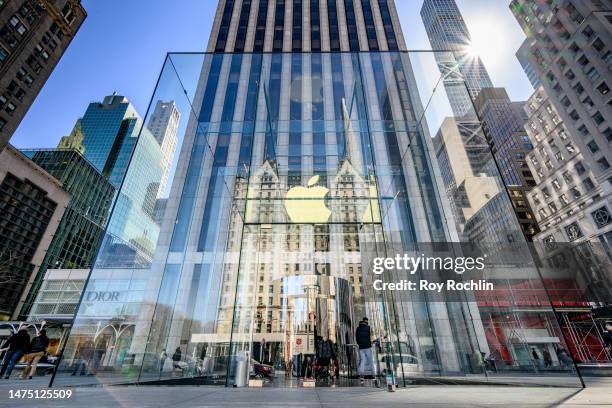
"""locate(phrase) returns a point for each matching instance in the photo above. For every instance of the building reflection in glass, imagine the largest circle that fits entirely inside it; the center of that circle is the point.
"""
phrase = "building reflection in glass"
(295, 171)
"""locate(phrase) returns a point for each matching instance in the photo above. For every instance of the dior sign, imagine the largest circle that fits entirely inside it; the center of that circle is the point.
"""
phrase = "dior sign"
(101, 297)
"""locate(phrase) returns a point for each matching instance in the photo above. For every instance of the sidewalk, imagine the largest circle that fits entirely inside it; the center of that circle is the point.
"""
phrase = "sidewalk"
(418, 396)
(598, 394)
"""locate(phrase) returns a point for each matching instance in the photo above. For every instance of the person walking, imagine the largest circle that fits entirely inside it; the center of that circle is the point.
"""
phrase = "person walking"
(16, 346)
(84, 360)
(547, 358)
(536, 357)
(363, 337)
(162, 361)
(38, 348)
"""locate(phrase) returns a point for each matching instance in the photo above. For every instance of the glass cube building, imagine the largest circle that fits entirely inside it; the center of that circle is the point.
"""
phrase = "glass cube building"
(305, 153)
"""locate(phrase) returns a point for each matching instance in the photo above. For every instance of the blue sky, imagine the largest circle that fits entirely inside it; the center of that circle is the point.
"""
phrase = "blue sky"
(122, 45)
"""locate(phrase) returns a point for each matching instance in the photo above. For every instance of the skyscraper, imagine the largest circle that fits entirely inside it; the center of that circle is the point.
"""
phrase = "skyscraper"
(522, 55)
(112, 129)
(32, 203)
(78, 236)
(447, 31)
(303, 161)
(570, 117)
(460, 68)
(504, 125)
(34, 36)
(164, 127)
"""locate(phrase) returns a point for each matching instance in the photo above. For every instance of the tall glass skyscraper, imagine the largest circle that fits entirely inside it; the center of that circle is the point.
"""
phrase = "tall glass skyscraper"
(463, 148)
(447, 31)
(305, 156)
(111, 129)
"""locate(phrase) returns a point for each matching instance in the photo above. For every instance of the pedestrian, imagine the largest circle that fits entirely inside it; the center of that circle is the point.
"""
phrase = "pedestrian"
(162, 361)
(547, 358)
(38, 348)
(16, 346)
(363, 337)
(563, 356)
(607, 336)
(536, 356)
(84, 360)
(177, 356)
(326, 354)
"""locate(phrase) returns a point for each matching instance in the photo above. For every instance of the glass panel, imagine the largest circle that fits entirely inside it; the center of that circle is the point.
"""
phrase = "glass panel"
(294, 175)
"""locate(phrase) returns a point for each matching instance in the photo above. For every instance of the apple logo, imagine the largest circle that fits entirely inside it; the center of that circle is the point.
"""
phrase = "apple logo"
(307, 204)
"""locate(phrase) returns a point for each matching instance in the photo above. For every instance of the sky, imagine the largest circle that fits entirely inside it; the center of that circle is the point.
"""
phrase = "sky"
(122, 46)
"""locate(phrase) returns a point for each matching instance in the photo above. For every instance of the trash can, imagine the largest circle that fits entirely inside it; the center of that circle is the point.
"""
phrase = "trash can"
(242, 369)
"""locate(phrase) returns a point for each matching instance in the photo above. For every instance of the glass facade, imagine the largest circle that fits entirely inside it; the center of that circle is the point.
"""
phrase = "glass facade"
(78, 236)
(111, 130)
(295, 171)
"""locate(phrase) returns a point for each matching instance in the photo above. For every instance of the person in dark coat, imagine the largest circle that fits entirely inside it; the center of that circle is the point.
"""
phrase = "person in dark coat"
(38, 348)
(363, 337)
(16, 346)
(547, 358)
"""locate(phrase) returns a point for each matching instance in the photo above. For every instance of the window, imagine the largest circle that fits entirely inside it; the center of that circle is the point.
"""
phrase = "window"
(3, 53)
(598, 45)
(574, 115)
(607, 57)
(603, 164)
(68, 14)
(588, 184)
(10, 39)
(10, 108)
(598, 118)
(570, 148)
(608, 134)
(593, 74)
(583, 61)
(3, 100)
(583, 130)
(601, 216)
(574, 48)
(579, 88)
(573, 231)
(14, 21)
(565, 101)
(588, 32)
(603, 88)
(574, 14)
(2, 121)
(12, 87)
(576, 193)
(570, 75)
(579, 168)
(20, 94)
(588, 102)
(593, 147)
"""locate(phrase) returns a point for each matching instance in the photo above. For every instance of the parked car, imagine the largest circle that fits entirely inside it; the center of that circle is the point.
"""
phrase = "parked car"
(262, 371)
(405, 364)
